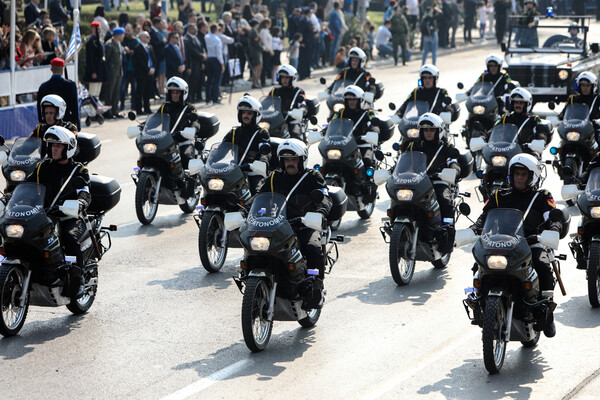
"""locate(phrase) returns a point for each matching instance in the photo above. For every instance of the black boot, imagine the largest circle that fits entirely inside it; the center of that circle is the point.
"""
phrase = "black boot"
(445, 239)
(75, 289)
(314, 297)
(369, 192)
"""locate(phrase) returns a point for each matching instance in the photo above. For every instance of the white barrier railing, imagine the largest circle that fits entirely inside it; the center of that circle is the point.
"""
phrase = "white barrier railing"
(28, 80)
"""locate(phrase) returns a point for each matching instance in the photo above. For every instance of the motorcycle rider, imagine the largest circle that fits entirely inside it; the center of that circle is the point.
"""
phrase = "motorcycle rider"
(433, 141)
(53, 110)
(530, 125)
(54, 172)
(355, 71)
(523, 194)
(250, 138)
(499, 77)
(363, 120)
(586, 94)
(297, 181)
(291, 97)
(438, 98)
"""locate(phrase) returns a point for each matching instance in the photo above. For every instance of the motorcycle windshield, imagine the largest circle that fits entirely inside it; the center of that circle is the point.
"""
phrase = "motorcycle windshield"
(25, 152)
(575, 113)
(482, 91)
(592, 188)
(271, 105)
(339, 132)
(503, 137)
(156, 126)
(223, 157)
(415, 109)
(339, 86)
(26, 202)
(503, 229)
(267, 213)
(411, 168)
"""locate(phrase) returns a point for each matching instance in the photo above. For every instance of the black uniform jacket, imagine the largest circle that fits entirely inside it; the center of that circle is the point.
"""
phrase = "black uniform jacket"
(242, 135)
(174, 110)
(359, 76)
(442, 102)
(53, 175)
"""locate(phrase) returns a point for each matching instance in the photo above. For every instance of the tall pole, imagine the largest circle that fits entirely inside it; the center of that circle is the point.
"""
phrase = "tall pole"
(12, 100)
(361, 11)
(76, 57)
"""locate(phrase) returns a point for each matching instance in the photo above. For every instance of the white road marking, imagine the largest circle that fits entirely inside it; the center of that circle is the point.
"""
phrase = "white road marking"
(207, 382)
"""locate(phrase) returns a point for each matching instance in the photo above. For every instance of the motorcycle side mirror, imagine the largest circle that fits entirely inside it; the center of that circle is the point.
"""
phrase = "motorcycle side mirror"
(193, 117)
(464, 209)
(392, 106)
(376, 121)
(379, 155)
(447, 102)
(460, 85)
(313, 120)
(317, 196)
(323, 81)
(265, 149)
(131, 115)
(1, 140)
(556, 215)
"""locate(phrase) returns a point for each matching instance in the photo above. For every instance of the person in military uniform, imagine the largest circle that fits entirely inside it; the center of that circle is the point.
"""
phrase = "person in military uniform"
(297, 181)
(95, 66)
(433, 141)
(292, 98)
(114, 66)
(53, 172)
(355, 71)
(497, 76)
(400, 33)
(528, 22)
(523, 194)
(586, 94)
(62, 87)
(250, 138)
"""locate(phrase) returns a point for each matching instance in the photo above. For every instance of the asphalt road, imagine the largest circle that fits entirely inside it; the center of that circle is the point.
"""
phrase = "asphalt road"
(162, 327)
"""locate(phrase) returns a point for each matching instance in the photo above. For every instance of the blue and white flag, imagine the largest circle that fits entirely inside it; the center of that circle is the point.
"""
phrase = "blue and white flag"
(74, 42)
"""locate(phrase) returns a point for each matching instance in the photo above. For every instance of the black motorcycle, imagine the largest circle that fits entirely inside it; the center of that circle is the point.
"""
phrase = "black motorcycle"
(408, 124)
(275, 279)
(414, 218)
(505, 300)
(335, 99)
(36, 269)
(160, 173)
(272, 118)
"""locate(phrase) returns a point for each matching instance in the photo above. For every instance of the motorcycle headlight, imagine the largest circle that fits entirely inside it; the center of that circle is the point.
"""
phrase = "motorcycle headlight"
(478, 109)
(150, 148)
(14, 231)
(413, 133)
(334, 154)
(215, 184)
(264, 125)
(563, 74)
(595, 212)
(17, 176)
(573, 136)
(260, 243)
(337, 107)
(404, 195)
(497, 262)
(499, 161)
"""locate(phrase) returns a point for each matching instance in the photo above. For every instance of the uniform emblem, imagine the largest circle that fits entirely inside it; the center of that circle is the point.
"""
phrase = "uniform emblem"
(551, 203)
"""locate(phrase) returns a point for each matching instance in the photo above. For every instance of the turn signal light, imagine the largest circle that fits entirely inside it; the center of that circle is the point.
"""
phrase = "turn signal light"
(291, 267)
(243, 265)
(592, 151)
(389, 212)
(527, 286)
(430, 214)
(484, 177)
(203, 201)
(476, 283)
(242, 203)
(355, 171)
(580, 230)
(139, 163)
(46, 255)
(172, 165)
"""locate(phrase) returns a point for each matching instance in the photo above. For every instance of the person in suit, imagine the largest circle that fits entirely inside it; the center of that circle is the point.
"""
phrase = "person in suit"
(95, 67)
(62, 87)
(32, 12)
(195, 54)
(175, 64)
(114, 65)
(144, 66)
(57, 12)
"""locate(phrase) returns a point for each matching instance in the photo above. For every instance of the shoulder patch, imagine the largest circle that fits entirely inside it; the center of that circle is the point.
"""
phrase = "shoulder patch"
(551, 202)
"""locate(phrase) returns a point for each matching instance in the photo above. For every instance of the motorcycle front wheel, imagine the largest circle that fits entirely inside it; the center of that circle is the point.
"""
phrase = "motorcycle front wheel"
(255, 304)
(366, 213)
(145, 192)
(402, 265)
(593, 279)
(311, 319)
(13, 316)
(494, 323)
(212, 251)
(81, 305)
(190, 204)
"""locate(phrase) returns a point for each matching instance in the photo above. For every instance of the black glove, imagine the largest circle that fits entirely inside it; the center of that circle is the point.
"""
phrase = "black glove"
(245, 167)
(532, 239)
(83, 205)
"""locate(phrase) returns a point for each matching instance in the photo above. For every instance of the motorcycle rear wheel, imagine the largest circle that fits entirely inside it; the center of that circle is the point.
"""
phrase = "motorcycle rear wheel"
(190, 204)
(145, 207)
(255, 304)
(212, 255)
(494, 346)
(401, 266)
(13, 316)
(82, 305)
(311, 319)
(593, 279)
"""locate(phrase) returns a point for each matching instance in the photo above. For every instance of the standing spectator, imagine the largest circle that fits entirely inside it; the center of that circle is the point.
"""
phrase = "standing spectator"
(413, 19)
(95, 68)
(455, 6)
(293, 21)
(58, 15)
(501, 10)
(306, 29)
(215, 65)
(100, 18)
(202, 32)
(247, 13)
(429, 34)
(62, 87)
(482, 12)
(382, 40)
(294, 51)
(129, 45)
(390, 11)
(316, 27)
(255, 50)
(444, 22)
(143, 67)
(278, 21)
(193, 62)
(114, 66)
(400, 31)
(470, 11)
(32, 12)
(229, 32)
(175, 63)
(184, 7)
(226, 41)
(157, 31)
(335, 28)
(277, 49)
(49, 47)
(123, 19)
(267, 54)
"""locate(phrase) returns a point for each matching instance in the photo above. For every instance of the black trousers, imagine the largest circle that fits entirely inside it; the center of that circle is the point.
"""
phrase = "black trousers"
(444, 198)
(71, 230)
(144, 91)
(541, 264)
(310, 246)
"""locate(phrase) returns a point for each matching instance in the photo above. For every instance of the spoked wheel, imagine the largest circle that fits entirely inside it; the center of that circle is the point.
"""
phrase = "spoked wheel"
(442, 262)
(494, 323)
(190, 204)
(81, 305)
(145, 192)
(212, 251)
(13, 316)
(255, 304)
(311, 319)
(593, 279)
(402, 264)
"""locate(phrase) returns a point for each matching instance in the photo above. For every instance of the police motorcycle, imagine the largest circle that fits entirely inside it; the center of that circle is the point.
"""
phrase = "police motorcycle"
(335, 100)
(159, 172)
(273, 119)
(414, 215)
(275, 280)
(226, 190)
(408, 124)
(505, 300)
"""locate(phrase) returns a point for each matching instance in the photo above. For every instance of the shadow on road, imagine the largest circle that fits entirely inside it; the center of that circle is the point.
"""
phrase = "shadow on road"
(578, 313)
(196, 278)
(160, 224)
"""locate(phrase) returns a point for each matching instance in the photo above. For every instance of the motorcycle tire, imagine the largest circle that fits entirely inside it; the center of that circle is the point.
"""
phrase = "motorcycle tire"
(531, 343)
(190, 204)
(593, 279)
(145, 208)
(12, 316)
(494, 346)
(401, 266)
(255, 304)
(366, 213)
(211, 230)
(442, 262)
(83, 304)
(311, 319)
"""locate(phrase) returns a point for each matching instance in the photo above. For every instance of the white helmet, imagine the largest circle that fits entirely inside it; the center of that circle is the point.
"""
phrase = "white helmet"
(530, 1)
(289, 71)
(526, 161)
(356, 52)
(293, 148)
(58, 134)
(430, 69)
(520, 94)
(353, 92)
(587, 76)
(55, 101)
(494, 58)
(249, 103)
(176, 83)
(431, 120)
